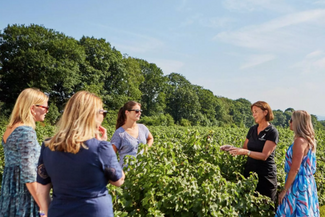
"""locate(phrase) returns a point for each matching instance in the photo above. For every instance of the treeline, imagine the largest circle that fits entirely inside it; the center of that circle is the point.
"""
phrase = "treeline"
(34, 56)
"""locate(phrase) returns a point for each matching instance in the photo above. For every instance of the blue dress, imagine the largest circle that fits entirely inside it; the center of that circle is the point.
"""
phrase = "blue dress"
(21, 152)
(127, 144)
(79, 180)
(301, 198)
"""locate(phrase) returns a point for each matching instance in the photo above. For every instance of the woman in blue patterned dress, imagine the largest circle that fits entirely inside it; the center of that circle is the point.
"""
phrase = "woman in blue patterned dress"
(129, 134)
(78, 163)
(21, 150)
(299, 196)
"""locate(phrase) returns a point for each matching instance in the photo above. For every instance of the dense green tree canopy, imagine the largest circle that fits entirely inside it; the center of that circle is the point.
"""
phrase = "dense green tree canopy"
(59, 65)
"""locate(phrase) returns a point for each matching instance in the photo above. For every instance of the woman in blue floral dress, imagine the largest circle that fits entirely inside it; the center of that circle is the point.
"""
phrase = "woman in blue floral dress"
(299, 196)
(21, 150)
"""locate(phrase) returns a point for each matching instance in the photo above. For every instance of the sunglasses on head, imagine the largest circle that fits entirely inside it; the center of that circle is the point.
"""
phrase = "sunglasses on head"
(44, 107)
(136, 110)
(104, 112)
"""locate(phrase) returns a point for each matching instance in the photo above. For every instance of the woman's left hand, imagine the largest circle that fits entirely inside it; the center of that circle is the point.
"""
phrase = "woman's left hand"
(237, 151)
(102, 131)
(281, 196)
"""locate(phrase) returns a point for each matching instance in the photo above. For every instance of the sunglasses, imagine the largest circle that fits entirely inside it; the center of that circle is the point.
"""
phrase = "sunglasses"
(104, 112)
(44, 107)
(136, 110)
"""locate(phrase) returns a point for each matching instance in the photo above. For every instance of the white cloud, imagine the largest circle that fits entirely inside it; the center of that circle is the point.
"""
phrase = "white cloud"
(286, 33)
(315, 54)
(255, 5)
(313, 63)
(255, 60)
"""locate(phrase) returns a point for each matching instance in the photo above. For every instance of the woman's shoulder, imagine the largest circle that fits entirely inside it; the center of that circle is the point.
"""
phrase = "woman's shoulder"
(272, 128)
(23, 129)
(119, 130)
(104, 146)
(300, 141)
(254, 127)
(142, 127)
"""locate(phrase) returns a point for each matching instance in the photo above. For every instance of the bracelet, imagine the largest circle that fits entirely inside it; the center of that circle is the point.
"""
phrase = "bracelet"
(248, 153)
(41, 213)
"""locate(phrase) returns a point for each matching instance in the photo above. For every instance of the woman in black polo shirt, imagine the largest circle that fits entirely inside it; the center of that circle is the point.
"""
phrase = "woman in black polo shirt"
(259, 146)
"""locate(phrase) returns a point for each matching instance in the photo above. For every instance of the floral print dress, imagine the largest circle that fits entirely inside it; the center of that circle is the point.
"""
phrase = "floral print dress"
(21, 156)
(301, 198)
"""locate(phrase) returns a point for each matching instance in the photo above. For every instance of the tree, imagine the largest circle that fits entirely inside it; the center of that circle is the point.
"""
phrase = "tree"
(152, 88)
(223, 110)
(34, 56)
(279, 118)
(182, 100)
(208, 103)
(241, 112)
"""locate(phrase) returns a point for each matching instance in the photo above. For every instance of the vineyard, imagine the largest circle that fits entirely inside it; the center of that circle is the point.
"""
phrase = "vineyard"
(186, 174)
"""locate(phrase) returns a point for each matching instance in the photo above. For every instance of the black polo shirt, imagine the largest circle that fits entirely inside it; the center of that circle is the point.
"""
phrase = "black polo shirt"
(256, 143)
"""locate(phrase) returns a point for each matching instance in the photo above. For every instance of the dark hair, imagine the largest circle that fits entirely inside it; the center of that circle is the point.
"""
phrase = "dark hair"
(121, 118)
(265, 107)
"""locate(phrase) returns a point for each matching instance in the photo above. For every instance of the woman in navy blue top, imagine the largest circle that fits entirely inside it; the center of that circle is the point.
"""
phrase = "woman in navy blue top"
(129, 134)
(78, 162)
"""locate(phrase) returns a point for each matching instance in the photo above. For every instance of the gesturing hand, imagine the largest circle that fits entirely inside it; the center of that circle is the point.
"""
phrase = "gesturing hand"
(225, 147)
(103, 133)
(237, 151)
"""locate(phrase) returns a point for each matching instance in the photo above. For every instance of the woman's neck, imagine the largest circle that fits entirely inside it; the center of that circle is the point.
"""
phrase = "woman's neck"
(130, 124)
(263, 125)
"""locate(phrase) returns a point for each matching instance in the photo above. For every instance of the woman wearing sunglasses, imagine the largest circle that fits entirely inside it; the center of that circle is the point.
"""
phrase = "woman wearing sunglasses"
(78, 163)
(21, 151)
(299, 195)
(129, 134)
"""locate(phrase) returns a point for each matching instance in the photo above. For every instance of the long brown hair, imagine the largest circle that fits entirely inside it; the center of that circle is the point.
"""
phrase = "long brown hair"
(121, 118)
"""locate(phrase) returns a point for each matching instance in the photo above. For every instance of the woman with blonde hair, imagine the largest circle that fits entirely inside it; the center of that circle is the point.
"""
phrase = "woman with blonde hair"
(21, 150)
(299, 196)
(78, 162)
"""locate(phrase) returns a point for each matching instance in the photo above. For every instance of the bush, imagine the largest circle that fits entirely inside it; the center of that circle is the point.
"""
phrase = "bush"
(158, 120)
(322, 211)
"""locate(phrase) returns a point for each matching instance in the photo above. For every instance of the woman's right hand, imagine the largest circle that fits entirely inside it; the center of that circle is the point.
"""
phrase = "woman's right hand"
(103, 132)
(225, 147)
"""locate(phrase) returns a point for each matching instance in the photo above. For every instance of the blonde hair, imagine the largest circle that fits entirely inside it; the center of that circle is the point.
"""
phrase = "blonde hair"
(77, 124)
(265, 107)
(22, 109)
(302, 127)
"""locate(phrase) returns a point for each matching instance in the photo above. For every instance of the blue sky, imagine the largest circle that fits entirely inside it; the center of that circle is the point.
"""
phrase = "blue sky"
(270, 50)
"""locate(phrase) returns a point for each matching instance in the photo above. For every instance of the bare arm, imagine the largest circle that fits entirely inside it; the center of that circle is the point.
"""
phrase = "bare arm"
(32, 188)
(245, 144)
(299, 147)
(267, 151)
(114, 147)
(150, 140)
(43, 193)
(119, 182)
